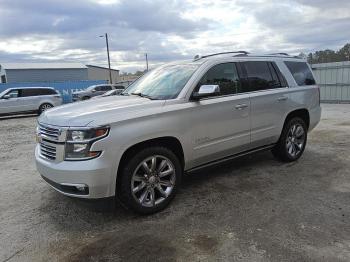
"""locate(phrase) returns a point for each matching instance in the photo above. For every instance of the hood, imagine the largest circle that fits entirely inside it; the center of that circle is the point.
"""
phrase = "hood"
(97, 112)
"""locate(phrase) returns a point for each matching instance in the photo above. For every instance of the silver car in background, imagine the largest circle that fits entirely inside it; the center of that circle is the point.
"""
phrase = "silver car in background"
(113, 92)
(95, 90)
(28, 100)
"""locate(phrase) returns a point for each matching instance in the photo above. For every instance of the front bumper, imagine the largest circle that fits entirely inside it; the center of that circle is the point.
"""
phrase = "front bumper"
(67, 176)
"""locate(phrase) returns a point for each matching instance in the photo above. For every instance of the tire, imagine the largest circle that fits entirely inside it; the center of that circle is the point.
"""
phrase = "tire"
(292, 141)
(44, 107)
(85, 98)
(133, 178)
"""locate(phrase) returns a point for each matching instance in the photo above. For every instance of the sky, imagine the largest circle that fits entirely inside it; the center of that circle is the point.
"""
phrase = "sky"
(167, 30)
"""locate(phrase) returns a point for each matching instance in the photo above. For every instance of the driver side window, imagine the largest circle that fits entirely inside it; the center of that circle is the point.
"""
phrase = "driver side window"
(13, 94)
(225, 76)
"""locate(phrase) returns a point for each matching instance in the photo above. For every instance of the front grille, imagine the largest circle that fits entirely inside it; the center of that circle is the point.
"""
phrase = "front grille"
(49, 132)
(48, 151)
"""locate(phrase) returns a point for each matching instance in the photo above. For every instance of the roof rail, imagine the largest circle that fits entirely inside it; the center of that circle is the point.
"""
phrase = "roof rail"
(197, 57)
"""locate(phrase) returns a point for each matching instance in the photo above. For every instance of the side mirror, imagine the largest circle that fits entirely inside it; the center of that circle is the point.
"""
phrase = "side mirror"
(6, 97)
(206, 91)
(93, 90)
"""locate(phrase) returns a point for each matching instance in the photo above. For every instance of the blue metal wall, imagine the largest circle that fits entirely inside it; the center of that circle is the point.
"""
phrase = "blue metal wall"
(65, 88)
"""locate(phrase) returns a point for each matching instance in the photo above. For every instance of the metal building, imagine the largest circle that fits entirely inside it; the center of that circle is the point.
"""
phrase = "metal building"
(42, 72)
(334, 81)
(102, 73)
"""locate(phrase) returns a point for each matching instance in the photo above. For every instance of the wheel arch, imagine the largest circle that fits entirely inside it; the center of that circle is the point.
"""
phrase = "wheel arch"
(169, 142)
(303, 113)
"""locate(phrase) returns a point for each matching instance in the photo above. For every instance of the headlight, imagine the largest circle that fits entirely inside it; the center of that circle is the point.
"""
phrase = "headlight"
(79, 143)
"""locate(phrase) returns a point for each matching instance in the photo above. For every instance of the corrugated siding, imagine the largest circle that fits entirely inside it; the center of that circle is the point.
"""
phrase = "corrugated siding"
(39, 75)
(66, 88)
(334, 81)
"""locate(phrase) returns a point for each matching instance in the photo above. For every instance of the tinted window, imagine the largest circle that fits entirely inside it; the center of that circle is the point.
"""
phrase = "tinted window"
(301, 73)
(48, 92)
(119, 87)
(37, 92)
(280, 76)
(29, 92)
(259, 76)
(97, 88)
(224, 75)
(105, 88)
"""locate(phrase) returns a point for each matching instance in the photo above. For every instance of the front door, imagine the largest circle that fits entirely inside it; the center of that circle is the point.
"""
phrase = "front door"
(220, 124)
(9, 102)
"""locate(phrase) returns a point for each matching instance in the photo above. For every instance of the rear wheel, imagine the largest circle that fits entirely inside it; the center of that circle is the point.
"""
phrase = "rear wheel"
(149, 180)
(44, 107)
(292, 142)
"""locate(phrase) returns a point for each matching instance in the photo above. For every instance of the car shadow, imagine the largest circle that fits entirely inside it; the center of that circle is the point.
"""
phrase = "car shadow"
(17, 116)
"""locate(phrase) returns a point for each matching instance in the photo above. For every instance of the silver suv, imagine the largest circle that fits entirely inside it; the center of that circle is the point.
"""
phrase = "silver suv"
(28, 100)
(178, 118)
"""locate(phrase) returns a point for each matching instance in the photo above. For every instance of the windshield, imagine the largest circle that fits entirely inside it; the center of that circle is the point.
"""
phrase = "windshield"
(162, 83)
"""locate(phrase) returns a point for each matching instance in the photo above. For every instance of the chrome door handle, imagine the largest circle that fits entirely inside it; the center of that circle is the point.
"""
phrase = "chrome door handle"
(241, 106)
(282, 98)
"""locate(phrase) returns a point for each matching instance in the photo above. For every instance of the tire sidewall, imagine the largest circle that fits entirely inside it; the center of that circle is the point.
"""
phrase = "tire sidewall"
(124, 186)
(290, 123)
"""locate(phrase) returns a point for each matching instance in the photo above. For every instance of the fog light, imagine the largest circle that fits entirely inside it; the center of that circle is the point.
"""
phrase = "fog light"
(80, 188)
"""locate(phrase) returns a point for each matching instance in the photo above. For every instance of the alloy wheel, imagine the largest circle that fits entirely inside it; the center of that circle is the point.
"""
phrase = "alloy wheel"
(295, 140)
(153, 180)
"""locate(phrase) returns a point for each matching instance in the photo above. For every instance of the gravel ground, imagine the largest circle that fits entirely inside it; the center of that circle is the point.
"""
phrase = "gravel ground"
(251, 209)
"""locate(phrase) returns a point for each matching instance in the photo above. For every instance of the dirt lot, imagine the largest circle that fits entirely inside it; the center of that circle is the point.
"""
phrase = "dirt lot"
(252, 209)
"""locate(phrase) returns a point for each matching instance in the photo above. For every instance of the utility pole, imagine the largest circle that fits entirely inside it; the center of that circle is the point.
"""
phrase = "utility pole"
(109, 61)
(146, 62)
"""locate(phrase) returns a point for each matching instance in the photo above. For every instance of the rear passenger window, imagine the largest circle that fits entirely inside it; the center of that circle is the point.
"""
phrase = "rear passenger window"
(47, 92)
(301, 73)
(225, 76)
(29, 92)
(260, 75)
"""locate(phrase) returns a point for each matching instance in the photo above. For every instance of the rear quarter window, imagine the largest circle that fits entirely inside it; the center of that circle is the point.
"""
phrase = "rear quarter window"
(301, 73)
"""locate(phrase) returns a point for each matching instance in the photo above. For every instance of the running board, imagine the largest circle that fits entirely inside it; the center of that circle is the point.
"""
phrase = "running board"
(228, 158)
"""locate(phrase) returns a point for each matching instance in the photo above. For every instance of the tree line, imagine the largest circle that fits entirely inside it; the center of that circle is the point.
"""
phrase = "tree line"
(328, 55)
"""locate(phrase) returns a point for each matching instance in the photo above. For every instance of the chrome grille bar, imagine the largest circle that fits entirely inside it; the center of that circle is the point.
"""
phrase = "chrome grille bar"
(47, 151)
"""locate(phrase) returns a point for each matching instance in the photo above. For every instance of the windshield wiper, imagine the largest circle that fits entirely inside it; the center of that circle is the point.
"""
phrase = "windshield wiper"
(143, 95)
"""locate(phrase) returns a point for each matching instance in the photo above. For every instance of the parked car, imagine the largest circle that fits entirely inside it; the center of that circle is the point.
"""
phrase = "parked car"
(113, 92)
(178, 118)
(94, 90)
(28, 100)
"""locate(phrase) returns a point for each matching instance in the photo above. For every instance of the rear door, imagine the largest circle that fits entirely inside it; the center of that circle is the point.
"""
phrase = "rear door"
(30, 98)
(269, 100)
(220, 124)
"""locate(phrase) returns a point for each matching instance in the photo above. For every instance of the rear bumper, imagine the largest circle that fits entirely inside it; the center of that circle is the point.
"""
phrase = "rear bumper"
(315, 117)
(93, 177)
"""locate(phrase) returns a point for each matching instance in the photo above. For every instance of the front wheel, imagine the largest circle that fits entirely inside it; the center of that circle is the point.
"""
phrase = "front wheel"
(149, 180)
(292, 142)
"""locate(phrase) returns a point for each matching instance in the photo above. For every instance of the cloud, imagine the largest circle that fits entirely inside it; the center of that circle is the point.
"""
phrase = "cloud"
(62, 30)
